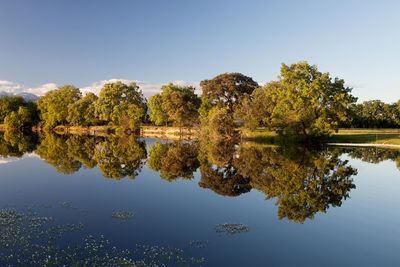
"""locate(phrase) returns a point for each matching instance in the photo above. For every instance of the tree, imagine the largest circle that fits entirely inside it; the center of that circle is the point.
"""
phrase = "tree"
(374, 114)
(157, 114)
(12, 104)
(228, 89)
(9, 104)
(53, 106)
(307, 102)
(255, 110)
(121, 104)
(81, 112)
(19, 119)
(221, 124)
(180, 103)
(13, 121)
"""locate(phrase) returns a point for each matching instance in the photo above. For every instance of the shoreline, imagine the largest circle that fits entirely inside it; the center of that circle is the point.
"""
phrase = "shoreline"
(364, 145)
(350, 137)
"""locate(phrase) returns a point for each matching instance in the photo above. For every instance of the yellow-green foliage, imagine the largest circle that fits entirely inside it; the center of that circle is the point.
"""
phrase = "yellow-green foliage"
(180, 103)
(303, 101)
(157, 114)
(121, 104)
(81, 112)
(53, 106)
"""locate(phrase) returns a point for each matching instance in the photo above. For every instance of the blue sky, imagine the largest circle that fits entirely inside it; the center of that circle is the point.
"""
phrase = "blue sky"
(54, 42)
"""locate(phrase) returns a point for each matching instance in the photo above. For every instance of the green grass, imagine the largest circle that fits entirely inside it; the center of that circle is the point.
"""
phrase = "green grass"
(371, 136)
(259, 135)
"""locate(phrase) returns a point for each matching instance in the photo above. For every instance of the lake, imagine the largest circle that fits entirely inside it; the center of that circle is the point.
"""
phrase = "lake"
(70, 199)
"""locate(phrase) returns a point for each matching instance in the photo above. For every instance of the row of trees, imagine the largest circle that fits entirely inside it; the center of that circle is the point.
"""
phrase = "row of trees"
(17, 113)
(302, 101)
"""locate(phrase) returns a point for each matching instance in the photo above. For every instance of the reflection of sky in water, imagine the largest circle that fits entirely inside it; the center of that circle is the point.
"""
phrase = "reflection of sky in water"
(363, 231)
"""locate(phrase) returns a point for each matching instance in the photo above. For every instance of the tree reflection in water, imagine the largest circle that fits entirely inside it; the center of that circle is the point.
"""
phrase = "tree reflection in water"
(174, 160)
(116, 157)
(302, 181)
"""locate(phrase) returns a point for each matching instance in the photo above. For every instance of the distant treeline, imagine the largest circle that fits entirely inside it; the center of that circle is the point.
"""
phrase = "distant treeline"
(302, 101)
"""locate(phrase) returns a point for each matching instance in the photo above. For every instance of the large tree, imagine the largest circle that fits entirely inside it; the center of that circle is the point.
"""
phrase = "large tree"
(19, 119)
(53, 106)
(81, 112)
(12, 104)
(306, 101)
(121, 104)
(228, 89)
(180, 103)
(157, 114)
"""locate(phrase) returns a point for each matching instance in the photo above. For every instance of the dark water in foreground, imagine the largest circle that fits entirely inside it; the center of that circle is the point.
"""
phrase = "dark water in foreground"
(127, 201)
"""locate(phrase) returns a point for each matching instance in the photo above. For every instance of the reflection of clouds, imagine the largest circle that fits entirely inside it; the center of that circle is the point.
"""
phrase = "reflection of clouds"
(9, 160)
(5, 160)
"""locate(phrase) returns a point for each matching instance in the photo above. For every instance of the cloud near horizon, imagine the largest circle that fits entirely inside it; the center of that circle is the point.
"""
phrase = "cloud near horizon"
(147, 88)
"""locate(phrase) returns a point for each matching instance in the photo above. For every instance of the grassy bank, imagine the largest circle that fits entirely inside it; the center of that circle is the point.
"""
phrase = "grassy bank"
(260, 135)
(359, 136)
(371, 136)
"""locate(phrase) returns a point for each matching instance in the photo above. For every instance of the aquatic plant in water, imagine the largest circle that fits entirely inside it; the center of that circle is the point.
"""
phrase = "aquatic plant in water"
(231, 228)
(123, 215)
(198, 243)
(68, 205)
(30, 239)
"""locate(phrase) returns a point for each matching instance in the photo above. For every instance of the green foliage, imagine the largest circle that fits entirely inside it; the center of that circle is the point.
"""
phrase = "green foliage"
(174, 161)
(55, 151)
(218, 173)
(205, 109)
(374, 114)
(180, 103)
(119, 157)
(307, 102)
(53, 106)
(157, 114)
(13, 121)
(156, 154)
(116, 157)
(20, 119)
(307, 183)
(228, 89)
(25, 113)
(221, 124)
(10, 104)
(256, 110)
(121, 104)
(81, 112)
(16, 143)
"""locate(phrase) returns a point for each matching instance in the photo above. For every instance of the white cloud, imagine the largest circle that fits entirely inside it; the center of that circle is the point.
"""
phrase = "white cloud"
(42, 89)
(148, 88)
(10, 87)
(15, 88)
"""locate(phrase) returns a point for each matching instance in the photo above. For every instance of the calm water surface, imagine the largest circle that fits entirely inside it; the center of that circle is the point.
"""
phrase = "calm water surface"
(76, 199)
